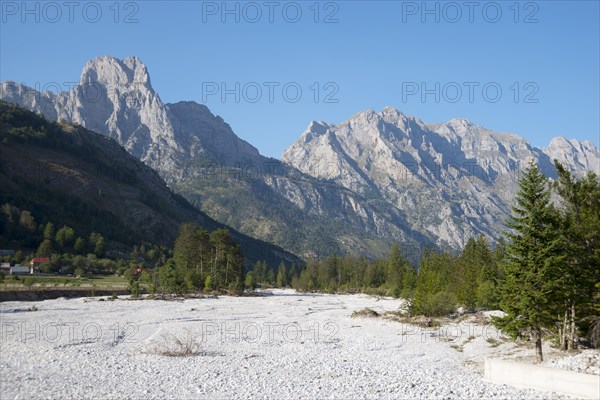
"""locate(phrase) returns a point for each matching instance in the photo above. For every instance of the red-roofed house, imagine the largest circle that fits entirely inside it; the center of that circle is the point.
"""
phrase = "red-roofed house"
(36, 262)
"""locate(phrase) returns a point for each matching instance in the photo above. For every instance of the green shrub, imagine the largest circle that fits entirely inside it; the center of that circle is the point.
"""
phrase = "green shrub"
(208, 283)
(28, 282)
(134, 289)
(436, 305)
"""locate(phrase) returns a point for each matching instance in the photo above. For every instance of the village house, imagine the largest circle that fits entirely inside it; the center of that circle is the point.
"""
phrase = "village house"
(19, 269)
(36, 262)
(5, 267)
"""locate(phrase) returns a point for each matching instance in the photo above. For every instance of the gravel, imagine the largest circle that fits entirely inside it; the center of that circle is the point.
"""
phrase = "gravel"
(282, 346)
(588, 362)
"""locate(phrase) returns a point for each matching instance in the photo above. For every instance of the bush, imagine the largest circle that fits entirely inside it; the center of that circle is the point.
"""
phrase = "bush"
(365, 312)
(407, 293)
(28, 282)
(250, 281)
(134, 289)
(436, 305)
(171, 346)
(236, 287)
(208, 283)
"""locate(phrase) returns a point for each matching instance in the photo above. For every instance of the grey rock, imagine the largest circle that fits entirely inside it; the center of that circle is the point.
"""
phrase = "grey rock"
(452, 180)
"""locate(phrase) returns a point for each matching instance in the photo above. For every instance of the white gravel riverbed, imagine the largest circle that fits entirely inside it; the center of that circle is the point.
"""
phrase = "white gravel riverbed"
(282, 346)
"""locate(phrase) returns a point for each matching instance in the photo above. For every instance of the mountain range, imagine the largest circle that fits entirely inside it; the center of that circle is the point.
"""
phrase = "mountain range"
(355, 186)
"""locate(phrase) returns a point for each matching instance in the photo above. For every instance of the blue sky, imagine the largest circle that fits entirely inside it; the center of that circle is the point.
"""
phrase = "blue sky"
(543, 56)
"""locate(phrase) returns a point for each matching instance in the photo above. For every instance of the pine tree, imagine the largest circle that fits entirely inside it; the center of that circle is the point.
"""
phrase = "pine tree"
(260, 272)
(580, 228)
(270, 277)
(186, 251)
(395, 269)
(99, 247)
(49, 231)
(27, 221)
(64, 237)
(168, 278)
(221, 256)
(234, 265)
(281, 275)
(250, 281)
(469, 268)
(487, 275)
(533, 259)
(45, 249)
(79, 246)
(330, 273)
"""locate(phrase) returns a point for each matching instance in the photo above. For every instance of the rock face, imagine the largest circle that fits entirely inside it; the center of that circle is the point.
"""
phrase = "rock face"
(115, 97)
(353, 187)
(451, 180)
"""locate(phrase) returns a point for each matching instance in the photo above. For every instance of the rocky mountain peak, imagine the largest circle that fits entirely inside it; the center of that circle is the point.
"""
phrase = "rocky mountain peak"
(460, 122)
(575, 155)
(560, 142)
(114, 73)
(391, 112)
(314, 129)
(115, 98)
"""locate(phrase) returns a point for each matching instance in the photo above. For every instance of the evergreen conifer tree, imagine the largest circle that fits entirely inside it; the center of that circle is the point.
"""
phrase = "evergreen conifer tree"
(533, 259)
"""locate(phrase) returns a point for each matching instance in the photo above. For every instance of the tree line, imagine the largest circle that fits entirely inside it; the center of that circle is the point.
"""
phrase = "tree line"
(443, 281)
(68, 250)
(201, 261)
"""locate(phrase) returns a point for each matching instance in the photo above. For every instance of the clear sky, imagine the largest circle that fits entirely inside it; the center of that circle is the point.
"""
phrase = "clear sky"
(433, 60)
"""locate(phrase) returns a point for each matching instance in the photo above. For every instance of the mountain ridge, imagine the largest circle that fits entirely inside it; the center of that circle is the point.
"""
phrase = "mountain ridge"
(355, 186)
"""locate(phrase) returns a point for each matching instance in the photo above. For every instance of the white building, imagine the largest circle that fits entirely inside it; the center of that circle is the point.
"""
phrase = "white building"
(5, 267)
(19, 269)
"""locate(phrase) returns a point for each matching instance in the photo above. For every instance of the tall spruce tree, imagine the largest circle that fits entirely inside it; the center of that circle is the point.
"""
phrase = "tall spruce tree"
(469, 270)
(282, 275)
(532, 266)
(186, 252)
(397, 268)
